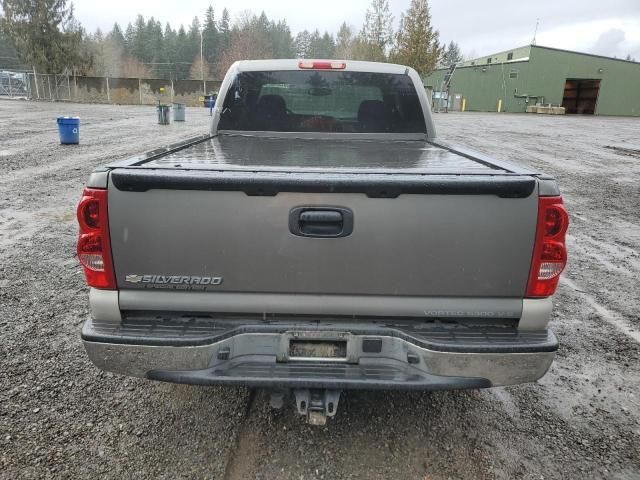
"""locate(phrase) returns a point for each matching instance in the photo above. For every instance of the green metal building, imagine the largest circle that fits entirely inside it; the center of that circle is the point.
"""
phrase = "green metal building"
(515, 79)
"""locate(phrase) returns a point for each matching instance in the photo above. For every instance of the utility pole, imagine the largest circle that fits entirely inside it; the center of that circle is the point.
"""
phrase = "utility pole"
(202, 63)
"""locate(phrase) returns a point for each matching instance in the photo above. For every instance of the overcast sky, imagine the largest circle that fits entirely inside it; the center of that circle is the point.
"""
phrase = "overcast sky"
(606, 27)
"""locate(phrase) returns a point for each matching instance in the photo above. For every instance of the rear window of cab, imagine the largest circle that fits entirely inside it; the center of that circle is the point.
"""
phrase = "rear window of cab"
(322, 101)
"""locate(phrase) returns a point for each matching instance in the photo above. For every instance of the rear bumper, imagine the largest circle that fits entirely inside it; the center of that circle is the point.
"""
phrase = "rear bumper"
(410, 356)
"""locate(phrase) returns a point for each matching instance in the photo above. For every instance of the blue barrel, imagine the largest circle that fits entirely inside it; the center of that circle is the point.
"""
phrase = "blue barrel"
(69, 129)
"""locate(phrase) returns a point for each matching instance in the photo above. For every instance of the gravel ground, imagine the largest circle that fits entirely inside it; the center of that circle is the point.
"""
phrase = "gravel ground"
(60, 417)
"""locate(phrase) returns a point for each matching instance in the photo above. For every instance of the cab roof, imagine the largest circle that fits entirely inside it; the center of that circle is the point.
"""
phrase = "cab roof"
(294, 64)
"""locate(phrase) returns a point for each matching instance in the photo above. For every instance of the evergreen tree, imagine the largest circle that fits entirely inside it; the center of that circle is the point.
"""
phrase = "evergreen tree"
(303, 44)
(377, 32)
(129, 38)
(262, 24)
(281, 40)
(258, 28)
(344, 42)
(225, 30)
(170, 49)
(145, 48)
(193, 40)
(155, 48)
(417, 42)
(328, 46)
(452, 55)
(95, 45)
(45, 34)
(250, 38)
(8, 54)
(116, 35)
(321, 46)
(210, 35)
(138, 47)
(182, 54)
(194, 30)
(314, 44)
(183, 66)
(361, 49)
(113, 52)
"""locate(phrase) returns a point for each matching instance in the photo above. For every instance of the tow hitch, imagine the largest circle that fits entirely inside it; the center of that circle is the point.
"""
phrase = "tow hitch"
(315, 404)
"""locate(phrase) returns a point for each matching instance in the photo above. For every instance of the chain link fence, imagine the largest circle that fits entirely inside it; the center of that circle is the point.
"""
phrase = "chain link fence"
(14, 84)
(110, 90)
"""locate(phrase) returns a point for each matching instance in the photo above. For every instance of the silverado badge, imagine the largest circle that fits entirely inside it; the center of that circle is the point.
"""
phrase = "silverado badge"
(178, 282)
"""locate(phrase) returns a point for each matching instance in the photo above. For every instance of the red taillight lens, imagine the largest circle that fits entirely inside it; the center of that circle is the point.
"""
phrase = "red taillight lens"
(549, 251)
(90, 211)
(94, 248)
(322, 64)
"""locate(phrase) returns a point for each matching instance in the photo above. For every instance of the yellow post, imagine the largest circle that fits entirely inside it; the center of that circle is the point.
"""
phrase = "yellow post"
(499, 105)
(464, 104)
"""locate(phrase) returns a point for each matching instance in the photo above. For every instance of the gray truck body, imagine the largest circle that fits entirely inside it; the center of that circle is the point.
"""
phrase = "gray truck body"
(426, 290)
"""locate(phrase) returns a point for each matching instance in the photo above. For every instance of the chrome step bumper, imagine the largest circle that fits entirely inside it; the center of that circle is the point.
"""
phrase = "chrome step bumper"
(410, 356)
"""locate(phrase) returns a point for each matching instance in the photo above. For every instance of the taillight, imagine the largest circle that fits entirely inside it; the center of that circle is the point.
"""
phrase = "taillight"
(94, 248)
(322, 64)
(549, 251)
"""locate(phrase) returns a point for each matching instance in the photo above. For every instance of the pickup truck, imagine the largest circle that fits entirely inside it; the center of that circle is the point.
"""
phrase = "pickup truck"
(321, 238)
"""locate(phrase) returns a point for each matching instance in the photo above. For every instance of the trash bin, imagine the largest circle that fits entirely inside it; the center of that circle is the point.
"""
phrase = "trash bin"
(69, 130)
(163, 114)
(178, 112)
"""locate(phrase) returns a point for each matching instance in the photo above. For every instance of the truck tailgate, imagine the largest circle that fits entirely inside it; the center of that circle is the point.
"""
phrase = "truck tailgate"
(425, 223)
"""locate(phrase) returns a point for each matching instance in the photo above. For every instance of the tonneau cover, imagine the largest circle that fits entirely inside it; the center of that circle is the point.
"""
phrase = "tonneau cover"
(247, 152)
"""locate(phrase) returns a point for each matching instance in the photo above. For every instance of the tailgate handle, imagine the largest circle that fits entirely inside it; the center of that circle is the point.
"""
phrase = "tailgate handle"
(325, 222)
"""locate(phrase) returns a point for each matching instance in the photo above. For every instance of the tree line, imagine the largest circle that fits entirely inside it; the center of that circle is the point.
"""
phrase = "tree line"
(45, 35)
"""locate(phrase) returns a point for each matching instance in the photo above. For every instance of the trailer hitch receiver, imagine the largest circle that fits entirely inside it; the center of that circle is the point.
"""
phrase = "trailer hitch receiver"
(317, 404)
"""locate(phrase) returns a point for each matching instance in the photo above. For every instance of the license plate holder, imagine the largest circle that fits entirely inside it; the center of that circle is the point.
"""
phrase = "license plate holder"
(316, 346)
(318, 349)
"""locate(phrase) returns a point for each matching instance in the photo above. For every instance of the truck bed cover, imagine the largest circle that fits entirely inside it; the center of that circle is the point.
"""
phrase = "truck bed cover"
(240, 152)
(378, 168)
(245, 152)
